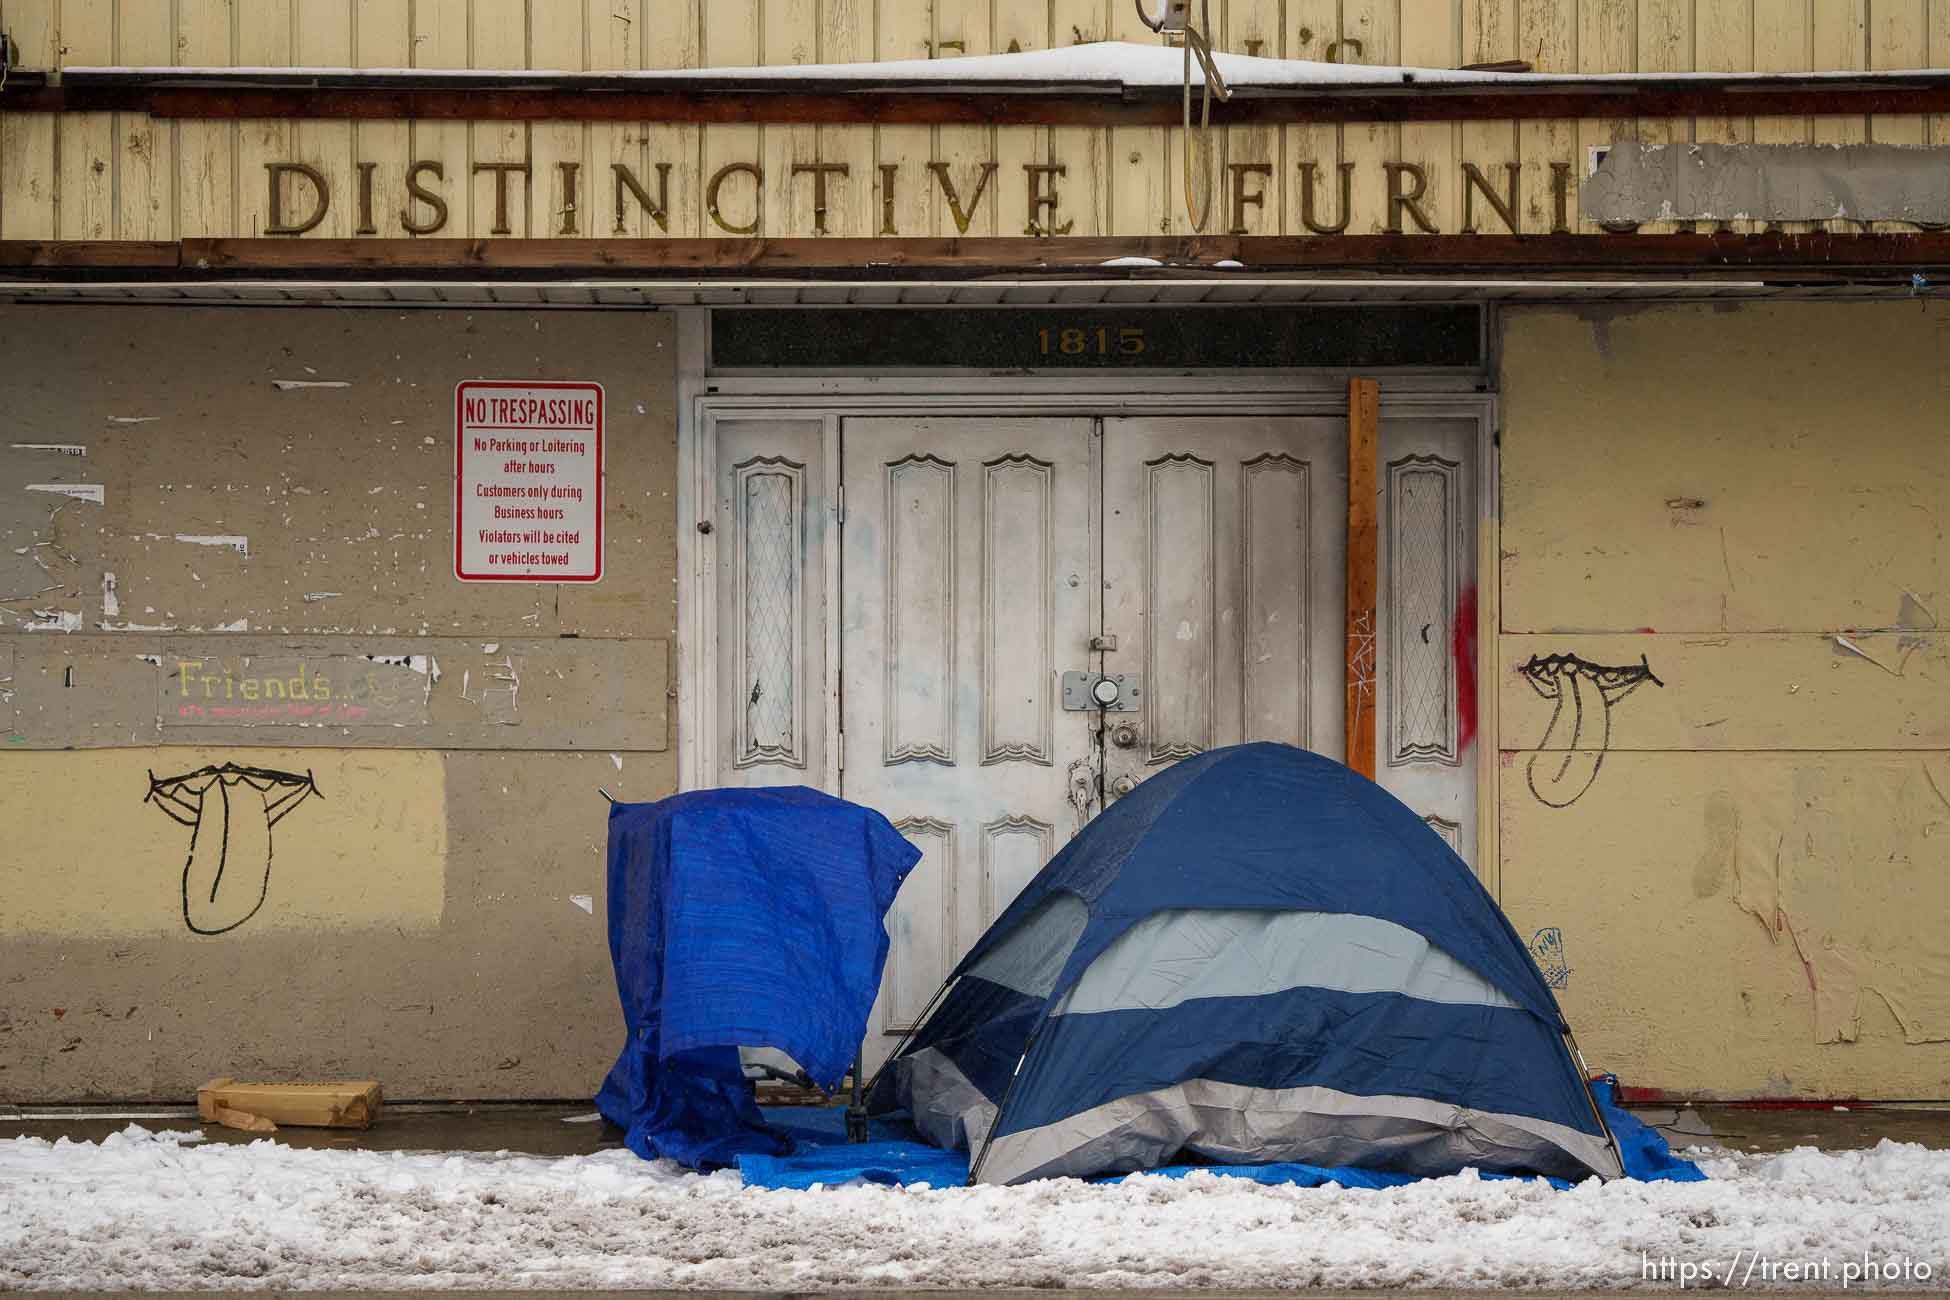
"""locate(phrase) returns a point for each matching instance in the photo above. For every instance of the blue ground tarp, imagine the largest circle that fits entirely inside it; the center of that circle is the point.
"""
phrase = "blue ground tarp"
(749, 918)
(896, 1157)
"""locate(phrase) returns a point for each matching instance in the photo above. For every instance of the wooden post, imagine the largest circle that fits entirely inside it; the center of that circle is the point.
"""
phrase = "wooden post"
(1363, 424)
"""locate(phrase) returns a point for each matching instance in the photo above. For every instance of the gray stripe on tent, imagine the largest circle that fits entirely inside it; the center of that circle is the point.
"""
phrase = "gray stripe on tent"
(1235, 1124)
(950, 1111)
(1176, 956)
(1031, 957)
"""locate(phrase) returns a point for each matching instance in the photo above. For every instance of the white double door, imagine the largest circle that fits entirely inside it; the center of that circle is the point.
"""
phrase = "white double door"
(975, 561)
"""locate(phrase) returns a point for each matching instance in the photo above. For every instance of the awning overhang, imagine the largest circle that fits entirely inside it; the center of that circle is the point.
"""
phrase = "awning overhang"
(1104, 84)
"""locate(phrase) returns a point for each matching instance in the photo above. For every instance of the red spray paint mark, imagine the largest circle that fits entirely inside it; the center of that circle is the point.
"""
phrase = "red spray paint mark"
(1463, 647)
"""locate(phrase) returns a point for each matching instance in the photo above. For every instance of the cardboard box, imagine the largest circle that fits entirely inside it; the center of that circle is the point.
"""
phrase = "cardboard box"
(261, 1107)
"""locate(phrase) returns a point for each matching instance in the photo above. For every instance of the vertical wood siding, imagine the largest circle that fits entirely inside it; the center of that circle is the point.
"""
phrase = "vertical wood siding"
(122, 176)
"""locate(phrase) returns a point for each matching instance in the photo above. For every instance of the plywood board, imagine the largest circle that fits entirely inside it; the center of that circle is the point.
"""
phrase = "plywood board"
(1644, 489)
(89, 691)
(1795, 891)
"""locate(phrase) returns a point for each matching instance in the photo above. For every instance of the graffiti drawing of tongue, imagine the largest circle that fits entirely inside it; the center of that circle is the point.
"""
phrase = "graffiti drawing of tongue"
(1584, 693)
(230, 811)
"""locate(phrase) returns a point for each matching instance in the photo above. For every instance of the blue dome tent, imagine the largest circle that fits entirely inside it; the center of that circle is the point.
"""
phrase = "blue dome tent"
(1256, 956)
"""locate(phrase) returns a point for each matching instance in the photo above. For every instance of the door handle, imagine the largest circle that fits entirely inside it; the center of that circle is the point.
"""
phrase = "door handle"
(1123, 735)
(1122, 786)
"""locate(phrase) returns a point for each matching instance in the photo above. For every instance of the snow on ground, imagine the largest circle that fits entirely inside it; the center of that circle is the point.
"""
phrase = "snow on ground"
(153, 1210)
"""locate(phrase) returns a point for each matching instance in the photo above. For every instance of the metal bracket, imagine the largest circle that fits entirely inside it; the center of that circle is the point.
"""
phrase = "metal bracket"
(1080, 692)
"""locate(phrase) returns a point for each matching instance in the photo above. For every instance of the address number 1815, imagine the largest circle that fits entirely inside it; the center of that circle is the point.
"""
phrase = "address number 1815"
(1102, 342)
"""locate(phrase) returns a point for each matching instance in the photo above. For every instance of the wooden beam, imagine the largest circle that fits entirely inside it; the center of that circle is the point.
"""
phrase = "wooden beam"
(1812, 259)
(1363, 583)
(539, 97)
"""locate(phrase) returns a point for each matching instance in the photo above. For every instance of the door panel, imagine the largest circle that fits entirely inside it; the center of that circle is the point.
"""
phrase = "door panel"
(981, 558)
(969, 576)
(1223, 582)
(1425, 703)
(772, 520)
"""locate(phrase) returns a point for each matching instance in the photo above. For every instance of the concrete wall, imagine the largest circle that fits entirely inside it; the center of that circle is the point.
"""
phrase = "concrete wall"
(1746, 860)
(419, 919)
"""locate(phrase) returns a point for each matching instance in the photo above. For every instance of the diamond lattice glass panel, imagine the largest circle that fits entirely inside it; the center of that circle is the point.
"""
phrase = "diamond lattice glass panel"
(1422, 604)
(769, 619)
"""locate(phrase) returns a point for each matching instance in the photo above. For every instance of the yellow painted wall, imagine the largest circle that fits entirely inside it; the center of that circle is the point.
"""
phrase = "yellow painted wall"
(124, 176)
(1748, 859)
(420, 920)
(364, 844)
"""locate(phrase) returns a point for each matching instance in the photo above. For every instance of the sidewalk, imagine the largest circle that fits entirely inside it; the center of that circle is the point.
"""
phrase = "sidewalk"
(570, 1129)
(541, 1197)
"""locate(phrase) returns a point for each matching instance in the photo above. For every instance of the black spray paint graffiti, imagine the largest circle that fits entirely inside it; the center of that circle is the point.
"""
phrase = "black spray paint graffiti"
(1568, 679)
(230, 811)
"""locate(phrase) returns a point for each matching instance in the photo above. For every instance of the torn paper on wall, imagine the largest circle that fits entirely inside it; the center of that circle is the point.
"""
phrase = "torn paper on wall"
(91, 492)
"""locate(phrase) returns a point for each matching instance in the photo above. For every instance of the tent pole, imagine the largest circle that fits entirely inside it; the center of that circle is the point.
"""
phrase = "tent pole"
(908, 1037)
(1001, 1109)
(1584, 1077)
(856, 1113)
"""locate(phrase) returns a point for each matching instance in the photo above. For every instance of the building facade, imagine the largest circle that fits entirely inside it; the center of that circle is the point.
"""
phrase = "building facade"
(426, 418)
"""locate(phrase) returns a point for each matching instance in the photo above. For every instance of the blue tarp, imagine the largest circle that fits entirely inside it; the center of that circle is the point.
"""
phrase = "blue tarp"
(896, 1157)
(749, 918)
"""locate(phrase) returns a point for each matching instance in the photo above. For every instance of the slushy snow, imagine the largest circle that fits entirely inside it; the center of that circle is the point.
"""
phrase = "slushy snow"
(155, 1210)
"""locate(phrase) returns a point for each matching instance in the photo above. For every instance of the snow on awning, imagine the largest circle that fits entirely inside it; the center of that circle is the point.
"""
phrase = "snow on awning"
(1104, 66)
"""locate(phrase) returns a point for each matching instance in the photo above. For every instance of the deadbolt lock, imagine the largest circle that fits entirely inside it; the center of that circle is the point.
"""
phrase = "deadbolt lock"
(1123, 735)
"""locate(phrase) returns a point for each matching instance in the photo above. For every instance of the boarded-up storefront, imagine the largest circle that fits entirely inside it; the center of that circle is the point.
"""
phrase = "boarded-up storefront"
(423, 419)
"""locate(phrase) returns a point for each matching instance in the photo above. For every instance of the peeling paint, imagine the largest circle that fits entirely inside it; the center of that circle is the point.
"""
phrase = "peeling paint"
(49, 620)
(94, 493)
(241, 545)
(423, 664)
(1637, 183)
(292, 385)
(500, 701)
(1846, 646)
(1912, 615)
